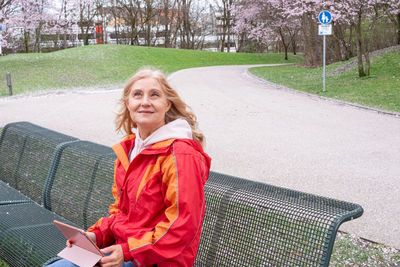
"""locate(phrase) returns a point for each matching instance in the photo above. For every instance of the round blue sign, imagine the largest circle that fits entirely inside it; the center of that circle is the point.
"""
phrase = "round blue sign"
(325, 17)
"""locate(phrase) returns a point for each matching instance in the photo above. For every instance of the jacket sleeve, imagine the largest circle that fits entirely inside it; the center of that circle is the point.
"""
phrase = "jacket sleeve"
(183, 177)
(104, 236)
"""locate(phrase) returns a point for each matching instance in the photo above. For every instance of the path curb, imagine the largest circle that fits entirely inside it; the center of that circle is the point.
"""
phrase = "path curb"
(336, 101)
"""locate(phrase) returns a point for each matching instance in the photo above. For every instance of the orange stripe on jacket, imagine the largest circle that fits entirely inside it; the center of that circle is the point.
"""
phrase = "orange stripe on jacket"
(151, 170)
(114, 208)
(172, 213)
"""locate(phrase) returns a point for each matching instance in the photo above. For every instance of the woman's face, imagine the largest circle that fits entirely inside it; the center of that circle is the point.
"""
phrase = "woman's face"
(147, 105)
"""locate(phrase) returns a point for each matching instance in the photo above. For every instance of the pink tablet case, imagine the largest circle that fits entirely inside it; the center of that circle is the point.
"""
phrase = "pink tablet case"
(83, 252)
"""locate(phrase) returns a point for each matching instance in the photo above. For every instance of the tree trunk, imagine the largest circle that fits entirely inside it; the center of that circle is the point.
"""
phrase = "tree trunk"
(223, 40)
(132, 34)
(294, 46)
(166, 24)
(148, 35)
(349, 49)
(312, 47)
(65, 38)
(65, 26)
(224, 24)
(241, 42)
(361, 72)
(229, 41)
(398, 29)
(285, 46)
(87, 35)
(228, 26)
(367, 63)
(38, 40)
(26, 41)
(185, 32)
(338, 35)
(149, 11)
(116, 30)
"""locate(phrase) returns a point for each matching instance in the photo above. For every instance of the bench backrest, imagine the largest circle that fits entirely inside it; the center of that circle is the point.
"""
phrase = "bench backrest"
(253, 224)
(80, 182)
(26, 154)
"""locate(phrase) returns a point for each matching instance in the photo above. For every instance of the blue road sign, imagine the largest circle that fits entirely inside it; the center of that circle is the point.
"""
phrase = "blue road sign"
(325, 17)
(1, 27)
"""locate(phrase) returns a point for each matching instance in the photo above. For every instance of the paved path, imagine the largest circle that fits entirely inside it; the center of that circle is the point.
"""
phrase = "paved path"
(259, 132)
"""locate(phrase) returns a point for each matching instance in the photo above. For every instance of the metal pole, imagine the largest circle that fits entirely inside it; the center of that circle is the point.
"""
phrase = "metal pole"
(9, 84)
(324, 67)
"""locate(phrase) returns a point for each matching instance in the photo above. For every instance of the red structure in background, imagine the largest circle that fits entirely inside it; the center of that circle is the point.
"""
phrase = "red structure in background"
(99, 34)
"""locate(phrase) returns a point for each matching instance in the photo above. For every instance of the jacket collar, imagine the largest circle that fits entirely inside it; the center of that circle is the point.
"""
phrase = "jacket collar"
(122, 149)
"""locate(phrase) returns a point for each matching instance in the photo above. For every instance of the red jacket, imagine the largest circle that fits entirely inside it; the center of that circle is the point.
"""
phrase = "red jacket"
(159, 203)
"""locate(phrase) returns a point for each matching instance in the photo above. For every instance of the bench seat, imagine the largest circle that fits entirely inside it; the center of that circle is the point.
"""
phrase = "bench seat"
(28, 236)
(9, 195)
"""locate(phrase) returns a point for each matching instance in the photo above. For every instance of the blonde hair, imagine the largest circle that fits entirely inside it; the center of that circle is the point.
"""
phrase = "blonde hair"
(178, 109)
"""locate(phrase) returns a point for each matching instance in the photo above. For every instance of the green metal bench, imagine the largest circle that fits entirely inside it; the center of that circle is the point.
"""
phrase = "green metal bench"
(26, 154)
(76, 191)
(254, 224)
(246, 223)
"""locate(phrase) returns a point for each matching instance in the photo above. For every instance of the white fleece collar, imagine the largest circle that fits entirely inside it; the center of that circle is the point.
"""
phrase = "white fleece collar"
(178, 129)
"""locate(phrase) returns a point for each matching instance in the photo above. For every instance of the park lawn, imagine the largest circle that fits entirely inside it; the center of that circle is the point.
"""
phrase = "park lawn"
(102, 65)
(379, 90)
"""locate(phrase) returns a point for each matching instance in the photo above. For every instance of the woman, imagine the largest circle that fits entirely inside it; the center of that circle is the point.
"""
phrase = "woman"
(159, 177)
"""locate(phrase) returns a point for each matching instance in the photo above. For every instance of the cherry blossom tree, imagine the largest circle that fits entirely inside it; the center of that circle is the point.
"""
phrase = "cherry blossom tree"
(392, 10)
(267, 20)
(363, 15)
(66, 20)
(5, 11)
(29, 17)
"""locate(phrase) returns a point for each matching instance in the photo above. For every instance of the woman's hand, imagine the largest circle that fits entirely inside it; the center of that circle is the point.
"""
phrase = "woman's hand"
(116, 257)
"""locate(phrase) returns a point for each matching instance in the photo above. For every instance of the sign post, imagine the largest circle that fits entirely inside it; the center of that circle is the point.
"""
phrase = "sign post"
(324, 29)
(9, 84)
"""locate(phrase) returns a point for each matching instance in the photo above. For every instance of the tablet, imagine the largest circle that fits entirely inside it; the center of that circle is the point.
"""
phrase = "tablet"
(83, 252)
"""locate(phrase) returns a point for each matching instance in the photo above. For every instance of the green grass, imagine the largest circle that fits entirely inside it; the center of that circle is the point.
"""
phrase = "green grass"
(380, 90)
(110, 64)
(350, 250)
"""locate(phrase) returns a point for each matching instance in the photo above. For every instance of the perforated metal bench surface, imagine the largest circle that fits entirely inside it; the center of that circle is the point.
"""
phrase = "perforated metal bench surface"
(26, 154)
(246, 223)
(77, 187)
(254, 224)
